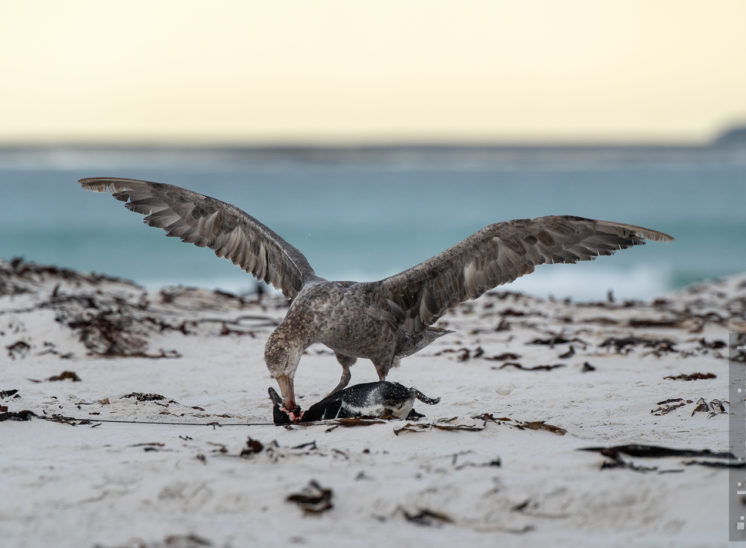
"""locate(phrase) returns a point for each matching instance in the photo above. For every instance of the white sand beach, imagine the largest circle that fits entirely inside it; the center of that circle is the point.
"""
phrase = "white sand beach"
(524, 384)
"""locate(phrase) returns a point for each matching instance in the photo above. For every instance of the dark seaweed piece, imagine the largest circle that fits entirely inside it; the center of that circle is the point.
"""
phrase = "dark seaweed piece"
(310, 445)
(9, 393)
(496, 462)
(186, 541)
(419, 427)
(530, 508)
(505, 356)
(620, 342)
(618, 462)
(490, 417)
(570, 352)
(140, 396)
(222, 449)
(656, 451)
(558, 339)
(521, 506)
(541, 425)
(252, 446)
(551, 341)
(28, 270)
(717, 463)
(314, 499)
(110, 335)
(18, 349)
(587, 367)
(65, 375)
(424, 427)
(72, 421)
(602, 320)
(671, 400)
(171, 541)
(713, 345)
(24, 415)
(664, 410)
(454, 427)
(426, 517)
(153, 446)
(116, 334)
(638, 323)
(447, 351)
(516, 313)
(503, 325)
(357, 421)
(623, 343)
(535, 368)
(352, 421)
(464, 353)
(692, 377)
(714, 407)
(522, 425)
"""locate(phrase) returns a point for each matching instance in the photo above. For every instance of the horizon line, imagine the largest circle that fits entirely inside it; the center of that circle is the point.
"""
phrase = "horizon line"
(732, 133)
(358, 144)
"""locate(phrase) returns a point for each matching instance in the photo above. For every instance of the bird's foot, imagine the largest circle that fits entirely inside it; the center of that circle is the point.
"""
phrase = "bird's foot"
(414, 415)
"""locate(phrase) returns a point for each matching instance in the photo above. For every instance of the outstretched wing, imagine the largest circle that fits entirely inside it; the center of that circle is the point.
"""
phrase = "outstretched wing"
(499, 254)
(208, 222)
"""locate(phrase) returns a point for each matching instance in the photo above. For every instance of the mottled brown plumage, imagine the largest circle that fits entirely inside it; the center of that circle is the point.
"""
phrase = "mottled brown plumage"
(381, 321)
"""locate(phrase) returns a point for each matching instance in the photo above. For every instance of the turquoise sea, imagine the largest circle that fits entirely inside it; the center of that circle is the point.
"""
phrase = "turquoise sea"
(365, 213)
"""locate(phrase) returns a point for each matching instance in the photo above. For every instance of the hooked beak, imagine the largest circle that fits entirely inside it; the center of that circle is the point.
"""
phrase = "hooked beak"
(286, 389)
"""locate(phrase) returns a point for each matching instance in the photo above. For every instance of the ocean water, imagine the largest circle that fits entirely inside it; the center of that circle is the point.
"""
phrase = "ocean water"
(364, 214)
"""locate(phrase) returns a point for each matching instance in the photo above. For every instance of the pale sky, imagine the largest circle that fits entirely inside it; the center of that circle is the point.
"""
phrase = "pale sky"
(370, 71)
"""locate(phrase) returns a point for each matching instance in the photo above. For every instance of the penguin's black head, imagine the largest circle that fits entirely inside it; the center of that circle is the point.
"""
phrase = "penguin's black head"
(280, 415)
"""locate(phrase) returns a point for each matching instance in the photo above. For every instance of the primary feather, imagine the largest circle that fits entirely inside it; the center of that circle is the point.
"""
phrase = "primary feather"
(207, 222)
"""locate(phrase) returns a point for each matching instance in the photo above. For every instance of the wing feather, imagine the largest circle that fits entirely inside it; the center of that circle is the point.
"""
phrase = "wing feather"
(499, 254)
(207, 222)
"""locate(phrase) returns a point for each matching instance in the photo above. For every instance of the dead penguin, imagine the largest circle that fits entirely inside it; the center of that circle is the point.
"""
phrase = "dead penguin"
(381, 399)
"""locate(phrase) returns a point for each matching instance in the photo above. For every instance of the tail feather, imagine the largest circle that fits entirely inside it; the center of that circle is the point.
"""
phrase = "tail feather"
(409, 343)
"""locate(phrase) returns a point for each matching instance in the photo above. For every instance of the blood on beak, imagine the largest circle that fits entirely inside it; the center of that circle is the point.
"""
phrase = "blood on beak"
(286, 389)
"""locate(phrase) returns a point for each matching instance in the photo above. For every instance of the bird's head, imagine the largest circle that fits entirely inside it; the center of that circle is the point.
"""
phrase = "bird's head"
(282, 357)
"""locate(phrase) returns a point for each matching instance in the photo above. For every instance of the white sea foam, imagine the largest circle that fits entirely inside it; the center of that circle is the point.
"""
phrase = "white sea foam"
(558, 281)
(239, 284)
(635, 282)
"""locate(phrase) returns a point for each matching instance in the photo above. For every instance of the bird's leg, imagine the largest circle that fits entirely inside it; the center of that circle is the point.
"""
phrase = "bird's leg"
(383, 367)
(384, 358)
(346, 362)
(343, 381)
